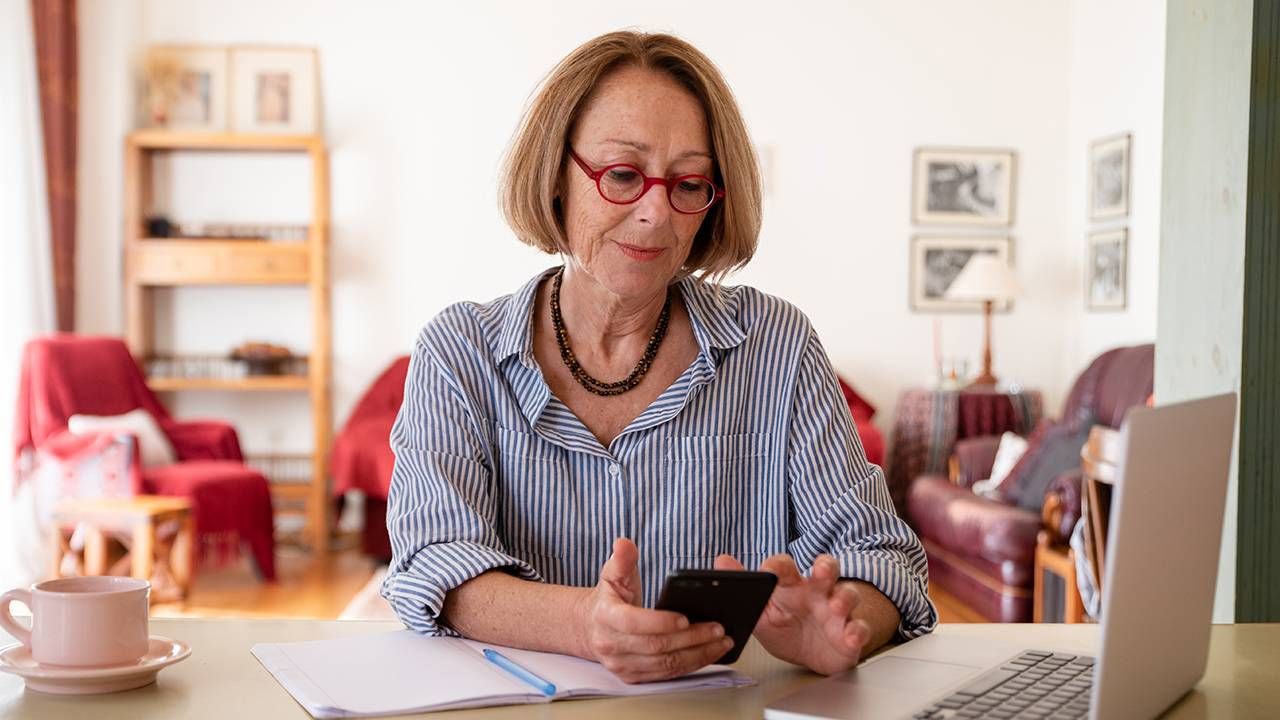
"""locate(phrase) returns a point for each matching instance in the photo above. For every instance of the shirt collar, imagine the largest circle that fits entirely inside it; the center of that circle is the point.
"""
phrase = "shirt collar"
(516, 334)
(710, 314)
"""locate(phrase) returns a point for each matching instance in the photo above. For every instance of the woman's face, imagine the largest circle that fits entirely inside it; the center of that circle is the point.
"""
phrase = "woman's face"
(642, 118)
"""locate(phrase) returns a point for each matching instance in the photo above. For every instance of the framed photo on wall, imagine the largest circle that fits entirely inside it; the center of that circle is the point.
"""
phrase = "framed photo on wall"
(1107, 280)
(274, 90)
(1109, 177)
(958, 186)
(936, 261)
(186, 87)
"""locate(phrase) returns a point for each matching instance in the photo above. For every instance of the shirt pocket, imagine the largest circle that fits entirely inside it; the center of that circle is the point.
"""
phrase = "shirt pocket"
(719, 499)
(535, 500)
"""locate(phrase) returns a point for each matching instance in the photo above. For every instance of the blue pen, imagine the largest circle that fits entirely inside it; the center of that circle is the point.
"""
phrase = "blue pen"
(524, 675)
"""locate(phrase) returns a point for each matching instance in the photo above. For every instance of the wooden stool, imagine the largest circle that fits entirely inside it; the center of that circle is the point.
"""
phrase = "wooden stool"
(166, 560)
(1057, 565)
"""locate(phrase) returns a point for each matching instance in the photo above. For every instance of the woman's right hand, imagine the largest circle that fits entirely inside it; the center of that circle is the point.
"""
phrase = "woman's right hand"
(635, 643)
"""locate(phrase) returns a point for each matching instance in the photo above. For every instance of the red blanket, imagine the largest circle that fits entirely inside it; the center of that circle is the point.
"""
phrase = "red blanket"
(362, 458)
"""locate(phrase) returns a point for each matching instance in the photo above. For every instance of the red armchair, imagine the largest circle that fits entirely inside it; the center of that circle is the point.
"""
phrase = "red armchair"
(362, 458)
(65, 375)
(983, 550)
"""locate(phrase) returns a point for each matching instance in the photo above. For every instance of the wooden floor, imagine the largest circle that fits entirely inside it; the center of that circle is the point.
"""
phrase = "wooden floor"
(303, 588)
(951, 609)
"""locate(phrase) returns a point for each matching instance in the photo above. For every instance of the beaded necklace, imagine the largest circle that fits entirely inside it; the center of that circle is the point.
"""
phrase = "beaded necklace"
(584, 379)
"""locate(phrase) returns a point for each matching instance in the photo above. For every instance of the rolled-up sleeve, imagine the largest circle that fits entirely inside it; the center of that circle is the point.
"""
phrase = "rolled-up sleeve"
(440, 508)
(840, 503)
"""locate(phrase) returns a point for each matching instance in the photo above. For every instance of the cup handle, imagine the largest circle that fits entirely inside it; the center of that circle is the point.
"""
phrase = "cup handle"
(7, 622)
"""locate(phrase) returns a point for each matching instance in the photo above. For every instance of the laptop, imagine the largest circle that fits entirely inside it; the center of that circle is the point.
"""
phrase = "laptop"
(1161, 569)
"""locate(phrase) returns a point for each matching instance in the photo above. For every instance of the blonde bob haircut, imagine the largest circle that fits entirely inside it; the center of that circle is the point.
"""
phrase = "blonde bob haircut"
(538, 156)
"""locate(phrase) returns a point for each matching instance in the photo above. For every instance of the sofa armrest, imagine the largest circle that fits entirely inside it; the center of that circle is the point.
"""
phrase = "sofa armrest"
(204, 440)
(973, 458)
(1061, 508)
(962, 522)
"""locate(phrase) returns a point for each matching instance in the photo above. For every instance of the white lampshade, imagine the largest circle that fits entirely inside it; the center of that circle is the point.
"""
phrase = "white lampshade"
(985, 277)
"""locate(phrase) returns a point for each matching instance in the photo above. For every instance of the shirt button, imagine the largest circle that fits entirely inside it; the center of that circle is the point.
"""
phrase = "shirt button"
(614, 470)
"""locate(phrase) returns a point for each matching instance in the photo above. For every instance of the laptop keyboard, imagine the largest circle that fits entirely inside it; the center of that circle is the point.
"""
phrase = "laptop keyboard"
(1034, 684)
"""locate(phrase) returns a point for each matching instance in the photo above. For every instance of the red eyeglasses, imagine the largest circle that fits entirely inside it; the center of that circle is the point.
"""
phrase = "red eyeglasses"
(623, 184)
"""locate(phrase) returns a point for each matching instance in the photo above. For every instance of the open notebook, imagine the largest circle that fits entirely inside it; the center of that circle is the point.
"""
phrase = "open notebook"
(403, 672)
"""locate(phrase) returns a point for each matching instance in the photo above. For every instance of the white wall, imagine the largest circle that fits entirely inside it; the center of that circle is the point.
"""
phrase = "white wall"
(1199, 340)
(1116, 86)
(420, 100)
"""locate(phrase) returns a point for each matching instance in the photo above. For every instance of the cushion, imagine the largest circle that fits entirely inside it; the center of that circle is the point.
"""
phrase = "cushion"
(1011, 449)
(858, 406)
(153, 444)
(1053, 449)
(90, 465)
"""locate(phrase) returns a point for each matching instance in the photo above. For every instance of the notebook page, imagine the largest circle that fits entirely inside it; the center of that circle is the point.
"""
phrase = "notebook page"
(389, 673)
(576, 677)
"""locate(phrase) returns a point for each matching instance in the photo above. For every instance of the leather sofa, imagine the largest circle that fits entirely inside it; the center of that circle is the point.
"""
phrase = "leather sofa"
(982, 550)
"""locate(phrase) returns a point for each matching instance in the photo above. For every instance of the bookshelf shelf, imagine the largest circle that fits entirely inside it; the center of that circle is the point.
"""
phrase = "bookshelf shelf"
(176, 140)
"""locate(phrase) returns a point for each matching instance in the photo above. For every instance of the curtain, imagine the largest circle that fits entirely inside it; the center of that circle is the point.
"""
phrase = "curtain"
(54, 24)
(26, 273)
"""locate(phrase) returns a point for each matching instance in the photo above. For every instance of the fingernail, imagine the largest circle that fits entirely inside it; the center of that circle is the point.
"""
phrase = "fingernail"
(726, 643)
(682, 623)
(718, 630)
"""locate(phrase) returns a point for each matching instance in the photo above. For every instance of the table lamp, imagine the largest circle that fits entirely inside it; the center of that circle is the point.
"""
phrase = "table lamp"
(988, 278)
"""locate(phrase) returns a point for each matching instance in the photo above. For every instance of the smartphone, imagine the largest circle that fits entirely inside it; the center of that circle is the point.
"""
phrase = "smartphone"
(733, 598)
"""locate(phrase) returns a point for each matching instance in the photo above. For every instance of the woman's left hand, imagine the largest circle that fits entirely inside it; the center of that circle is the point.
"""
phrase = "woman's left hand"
(810, 621)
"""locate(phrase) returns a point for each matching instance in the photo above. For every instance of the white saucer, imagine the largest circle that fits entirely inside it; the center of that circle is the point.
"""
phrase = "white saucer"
(162, 652)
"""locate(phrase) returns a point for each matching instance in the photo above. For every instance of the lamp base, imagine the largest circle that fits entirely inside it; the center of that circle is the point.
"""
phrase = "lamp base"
(986, 379)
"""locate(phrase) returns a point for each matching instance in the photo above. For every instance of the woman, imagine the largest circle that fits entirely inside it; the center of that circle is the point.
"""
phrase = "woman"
(560, 450)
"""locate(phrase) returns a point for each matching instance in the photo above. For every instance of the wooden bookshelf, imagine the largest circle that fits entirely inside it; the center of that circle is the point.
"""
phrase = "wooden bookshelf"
(151, 263)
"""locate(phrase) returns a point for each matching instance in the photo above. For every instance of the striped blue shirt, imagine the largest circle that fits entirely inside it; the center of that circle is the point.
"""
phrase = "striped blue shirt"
(750, 452)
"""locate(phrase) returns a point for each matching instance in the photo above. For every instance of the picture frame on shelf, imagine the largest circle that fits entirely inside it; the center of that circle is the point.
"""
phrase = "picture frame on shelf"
(186, 88)
(1107, 271)
(1109, 175)
(963, 186)
(274, 90)
(936, 261)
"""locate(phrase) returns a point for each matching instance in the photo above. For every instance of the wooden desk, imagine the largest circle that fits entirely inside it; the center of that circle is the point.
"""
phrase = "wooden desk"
(221, 679)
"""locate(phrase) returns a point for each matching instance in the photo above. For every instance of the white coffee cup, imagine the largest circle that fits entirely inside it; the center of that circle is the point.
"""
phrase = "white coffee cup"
(92, 621)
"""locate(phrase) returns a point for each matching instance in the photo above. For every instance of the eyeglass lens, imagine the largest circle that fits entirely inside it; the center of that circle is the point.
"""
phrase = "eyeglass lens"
(623, 184)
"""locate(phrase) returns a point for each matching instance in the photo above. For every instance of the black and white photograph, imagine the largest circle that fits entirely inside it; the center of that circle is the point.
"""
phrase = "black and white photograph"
(937, 261)
(273, 90)
(963, 187)
(1109, 177)
(1107, 281)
